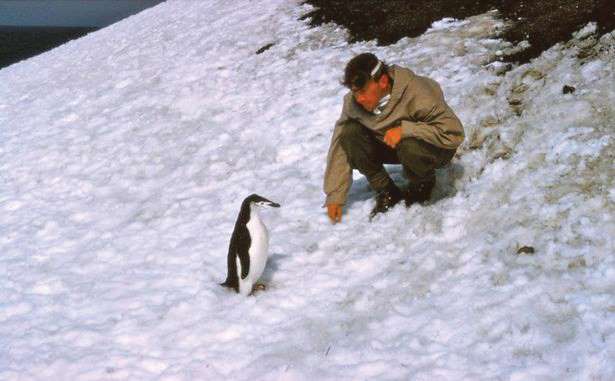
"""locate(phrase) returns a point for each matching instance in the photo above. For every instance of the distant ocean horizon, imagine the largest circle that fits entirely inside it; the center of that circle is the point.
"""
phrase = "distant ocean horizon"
(18, 43)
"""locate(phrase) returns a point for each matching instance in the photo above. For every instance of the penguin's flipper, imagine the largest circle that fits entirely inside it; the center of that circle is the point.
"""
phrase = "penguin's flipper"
(244, 259)
(242, 249)
(232, 281)
(231, 277)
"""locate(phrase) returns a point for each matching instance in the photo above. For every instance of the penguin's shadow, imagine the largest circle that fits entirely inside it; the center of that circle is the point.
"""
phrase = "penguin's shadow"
(273, 265)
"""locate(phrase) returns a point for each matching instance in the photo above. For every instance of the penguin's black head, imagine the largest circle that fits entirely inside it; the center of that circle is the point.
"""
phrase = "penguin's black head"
(257, 200)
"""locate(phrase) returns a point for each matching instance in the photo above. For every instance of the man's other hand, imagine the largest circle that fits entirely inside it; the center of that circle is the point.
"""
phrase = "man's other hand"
(393, 136)
(335, 212)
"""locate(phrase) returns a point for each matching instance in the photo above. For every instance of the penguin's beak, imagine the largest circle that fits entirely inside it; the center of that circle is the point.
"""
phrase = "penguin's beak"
(274, 204)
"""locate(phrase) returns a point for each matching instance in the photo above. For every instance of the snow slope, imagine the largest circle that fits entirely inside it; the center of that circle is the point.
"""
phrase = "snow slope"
(124, 157)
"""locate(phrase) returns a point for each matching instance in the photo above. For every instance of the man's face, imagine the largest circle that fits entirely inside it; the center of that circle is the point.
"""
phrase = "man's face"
(369, 96)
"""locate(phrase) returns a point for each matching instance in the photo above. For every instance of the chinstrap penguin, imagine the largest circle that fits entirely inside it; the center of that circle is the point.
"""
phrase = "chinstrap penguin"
(247, 252)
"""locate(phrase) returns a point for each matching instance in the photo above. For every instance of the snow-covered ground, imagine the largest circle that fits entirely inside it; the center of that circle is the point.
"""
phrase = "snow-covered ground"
(124, 157)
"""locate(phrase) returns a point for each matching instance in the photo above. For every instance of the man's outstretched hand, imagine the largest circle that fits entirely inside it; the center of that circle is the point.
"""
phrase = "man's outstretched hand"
(393, 136)
(335, 212)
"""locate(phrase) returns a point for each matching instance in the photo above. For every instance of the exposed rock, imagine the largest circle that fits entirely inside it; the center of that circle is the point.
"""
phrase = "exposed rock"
(264, 48)
(534, 25)
(576, 263)
(526, 250)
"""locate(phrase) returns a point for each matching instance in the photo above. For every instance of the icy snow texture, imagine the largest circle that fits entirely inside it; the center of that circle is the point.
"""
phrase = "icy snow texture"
(124, 157)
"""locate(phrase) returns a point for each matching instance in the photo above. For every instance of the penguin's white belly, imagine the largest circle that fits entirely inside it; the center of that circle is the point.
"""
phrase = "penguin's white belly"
(258, 251)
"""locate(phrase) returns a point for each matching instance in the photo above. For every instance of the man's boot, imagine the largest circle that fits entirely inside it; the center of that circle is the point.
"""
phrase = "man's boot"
(419, 192)
(386, 199)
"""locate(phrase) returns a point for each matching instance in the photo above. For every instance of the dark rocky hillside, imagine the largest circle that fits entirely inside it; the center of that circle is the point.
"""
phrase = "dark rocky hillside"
(541, 23)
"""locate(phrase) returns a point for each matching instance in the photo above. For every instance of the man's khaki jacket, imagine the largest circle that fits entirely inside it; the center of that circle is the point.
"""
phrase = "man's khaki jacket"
(417, 105)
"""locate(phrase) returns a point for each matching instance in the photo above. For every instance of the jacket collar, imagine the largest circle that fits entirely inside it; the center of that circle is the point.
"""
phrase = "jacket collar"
(401, 79)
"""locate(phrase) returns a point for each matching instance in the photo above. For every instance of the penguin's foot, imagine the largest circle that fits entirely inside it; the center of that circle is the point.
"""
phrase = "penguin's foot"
(259, 287)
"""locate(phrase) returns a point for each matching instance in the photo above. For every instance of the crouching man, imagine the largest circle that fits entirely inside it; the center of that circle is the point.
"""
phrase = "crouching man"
(390, 116)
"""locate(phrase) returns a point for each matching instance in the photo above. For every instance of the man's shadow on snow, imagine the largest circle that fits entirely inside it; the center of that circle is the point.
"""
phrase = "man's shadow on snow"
(445, 183)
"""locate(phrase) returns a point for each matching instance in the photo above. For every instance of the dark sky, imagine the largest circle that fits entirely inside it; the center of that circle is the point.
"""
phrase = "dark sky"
(92, 13)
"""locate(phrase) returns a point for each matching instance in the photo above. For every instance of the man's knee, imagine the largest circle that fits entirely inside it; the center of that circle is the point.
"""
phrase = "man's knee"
(420, 158)
(413, 150)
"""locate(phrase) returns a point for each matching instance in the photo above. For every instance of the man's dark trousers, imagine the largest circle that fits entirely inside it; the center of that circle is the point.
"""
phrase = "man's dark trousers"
(367, 154)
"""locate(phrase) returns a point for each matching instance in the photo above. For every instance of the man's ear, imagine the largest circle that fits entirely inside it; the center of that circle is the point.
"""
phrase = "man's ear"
(383, 81)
